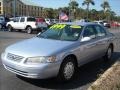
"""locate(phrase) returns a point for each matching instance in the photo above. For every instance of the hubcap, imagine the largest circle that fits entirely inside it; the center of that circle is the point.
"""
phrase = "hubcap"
(9, 29)
(29, 30)
(109, 53)
(69, 70)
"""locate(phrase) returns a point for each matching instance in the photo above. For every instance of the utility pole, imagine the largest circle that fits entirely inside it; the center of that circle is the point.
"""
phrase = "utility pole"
(14, 8)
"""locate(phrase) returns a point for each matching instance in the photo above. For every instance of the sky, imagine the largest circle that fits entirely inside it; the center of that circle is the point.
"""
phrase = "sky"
(115, 4)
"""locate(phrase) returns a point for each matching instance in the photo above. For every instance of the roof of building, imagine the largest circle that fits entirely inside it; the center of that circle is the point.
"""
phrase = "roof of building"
(30, 2)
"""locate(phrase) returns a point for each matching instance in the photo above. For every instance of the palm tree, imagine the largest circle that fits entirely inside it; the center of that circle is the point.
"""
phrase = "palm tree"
(73, 5)
(88, 2)
(105, 5)
(106, 8)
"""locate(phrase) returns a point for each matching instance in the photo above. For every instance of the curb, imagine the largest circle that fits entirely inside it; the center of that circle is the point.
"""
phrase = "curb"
(110, 80)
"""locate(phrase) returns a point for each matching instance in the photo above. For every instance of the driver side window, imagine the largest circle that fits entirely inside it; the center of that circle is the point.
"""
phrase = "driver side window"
(16, 19)
(89, 32)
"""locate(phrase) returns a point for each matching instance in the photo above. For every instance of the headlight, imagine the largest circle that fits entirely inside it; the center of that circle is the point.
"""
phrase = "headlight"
(37, 60)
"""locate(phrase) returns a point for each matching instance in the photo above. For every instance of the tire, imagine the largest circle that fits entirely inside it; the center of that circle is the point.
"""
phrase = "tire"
(29, 30)
(1, 26)
(10, 29)
(67, 69)
(108, 54)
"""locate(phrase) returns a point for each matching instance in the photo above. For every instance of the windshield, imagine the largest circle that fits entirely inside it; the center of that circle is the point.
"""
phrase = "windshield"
(62, 32)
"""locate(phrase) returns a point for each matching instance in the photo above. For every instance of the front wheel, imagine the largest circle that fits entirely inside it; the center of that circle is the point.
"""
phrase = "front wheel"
(67, 69)
(29, 30)
(10, 29)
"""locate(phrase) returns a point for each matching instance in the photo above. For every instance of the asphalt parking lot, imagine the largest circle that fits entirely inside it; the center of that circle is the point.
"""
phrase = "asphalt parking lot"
(85, 76)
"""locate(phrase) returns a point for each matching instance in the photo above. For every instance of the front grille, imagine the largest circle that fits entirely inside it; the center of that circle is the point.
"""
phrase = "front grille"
(14, 57)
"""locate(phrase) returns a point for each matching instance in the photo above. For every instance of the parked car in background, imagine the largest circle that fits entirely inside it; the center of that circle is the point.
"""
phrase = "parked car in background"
(3, 21)
(48, 21)
(54, 21)
(27, 24)
(115, 24)
(59, 51)
(82, 20)
(99, 22)
(41, 24)
(106, 24)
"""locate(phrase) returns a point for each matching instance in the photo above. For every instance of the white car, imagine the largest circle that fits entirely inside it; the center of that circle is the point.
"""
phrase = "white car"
(27, 24)
(48, 21)
(103, 23)
(99, 22)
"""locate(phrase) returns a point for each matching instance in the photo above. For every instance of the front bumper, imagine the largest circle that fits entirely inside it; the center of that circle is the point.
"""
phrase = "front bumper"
(40, 71)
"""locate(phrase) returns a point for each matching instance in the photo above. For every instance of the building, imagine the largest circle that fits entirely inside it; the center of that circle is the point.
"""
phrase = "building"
(19, 8)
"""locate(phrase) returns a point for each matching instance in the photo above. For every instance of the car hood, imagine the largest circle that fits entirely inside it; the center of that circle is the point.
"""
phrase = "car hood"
(38, 47)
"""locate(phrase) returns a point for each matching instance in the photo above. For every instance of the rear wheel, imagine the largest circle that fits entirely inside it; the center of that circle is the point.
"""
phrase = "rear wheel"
(29, 30)
(109, 53)
(67, 69)
(10, 29)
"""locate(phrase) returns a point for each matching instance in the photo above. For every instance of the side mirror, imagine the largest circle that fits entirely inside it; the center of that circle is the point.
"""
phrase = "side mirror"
(85, 39)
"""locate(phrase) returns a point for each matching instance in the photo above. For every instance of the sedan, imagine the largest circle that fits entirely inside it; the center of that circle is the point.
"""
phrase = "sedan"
(59, 51)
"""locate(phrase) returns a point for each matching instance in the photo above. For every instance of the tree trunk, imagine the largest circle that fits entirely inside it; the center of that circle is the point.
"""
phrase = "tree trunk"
(87, 11)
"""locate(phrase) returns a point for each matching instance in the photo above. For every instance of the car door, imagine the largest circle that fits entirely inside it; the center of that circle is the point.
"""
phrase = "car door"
(102, 40)
(15, 24)
(88, 49)
(22, 23)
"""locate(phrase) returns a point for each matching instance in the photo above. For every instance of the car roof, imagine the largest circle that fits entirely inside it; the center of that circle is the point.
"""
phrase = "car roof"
(25, 17)
(78, 23)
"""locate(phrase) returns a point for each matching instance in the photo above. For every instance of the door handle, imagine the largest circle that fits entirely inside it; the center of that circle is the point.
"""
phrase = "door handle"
(91, 45)
(102, 42)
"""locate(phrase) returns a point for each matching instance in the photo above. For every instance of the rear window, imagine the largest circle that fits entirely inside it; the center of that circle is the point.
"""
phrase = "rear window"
(31, 19)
